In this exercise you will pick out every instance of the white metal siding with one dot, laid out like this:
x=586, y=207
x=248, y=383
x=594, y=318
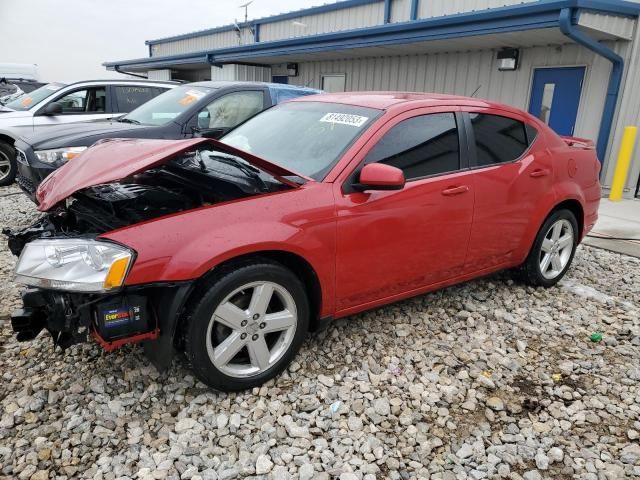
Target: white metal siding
x=159, y=74
x=344, y=19
x=628, y=114
x=400, y=10
x=462, y=73
x=621, y=27
x=204, y=42
x=241, y=72
x=437, y=8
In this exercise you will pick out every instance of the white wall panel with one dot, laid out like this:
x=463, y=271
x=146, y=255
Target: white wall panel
x=159, y=74
x=344, y=19
x=247, y=73
x=204, y=42
x=437, y=8
x=400, y=10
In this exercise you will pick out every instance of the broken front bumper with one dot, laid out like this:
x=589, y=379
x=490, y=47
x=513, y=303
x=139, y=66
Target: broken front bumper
x=147, y=314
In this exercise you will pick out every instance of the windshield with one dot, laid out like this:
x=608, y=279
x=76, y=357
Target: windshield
x=304, y=137
x=25, y=102
x=167, y=106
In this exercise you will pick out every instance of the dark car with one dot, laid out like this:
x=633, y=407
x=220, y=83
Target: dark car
x=205, y=109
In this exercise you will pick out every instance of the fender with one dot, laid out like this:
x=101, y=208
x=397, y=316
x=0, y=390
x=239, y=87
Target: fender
x=188, y=245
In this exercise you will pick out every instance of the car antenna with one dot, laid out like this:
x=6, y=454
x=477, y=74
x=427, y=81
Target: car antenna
x=476, y=91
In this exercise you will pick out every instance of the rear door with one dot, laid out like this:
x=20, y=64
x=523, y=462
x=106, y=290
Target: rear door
x=125, y=98
x=394, y=242
x=509, y=179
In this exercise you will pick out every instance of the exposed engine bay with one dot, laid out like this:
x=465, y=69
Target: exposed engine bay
x=195, y=179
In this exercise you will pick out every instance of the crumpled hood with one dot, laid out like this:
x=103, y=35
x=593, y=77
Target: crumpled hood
x=110, y=160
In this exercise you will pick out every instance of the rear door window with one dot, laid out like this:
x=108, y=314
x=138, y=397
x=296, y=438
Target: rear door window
x=498, y=139
x=129, y=97
x=420, y=146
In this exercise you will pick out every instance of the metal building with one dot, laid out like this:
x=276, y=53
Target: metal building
x=573, y=63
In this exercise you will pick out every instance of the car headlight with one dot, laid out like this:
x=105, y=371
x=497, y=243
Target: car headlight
x=77, y=265
x=59, y=155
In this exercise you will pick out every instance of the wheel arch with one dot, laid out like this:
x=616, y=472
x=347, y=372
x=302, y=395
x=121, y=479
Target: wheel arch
x=7, y=139
x=299, y=265
x=575, y=207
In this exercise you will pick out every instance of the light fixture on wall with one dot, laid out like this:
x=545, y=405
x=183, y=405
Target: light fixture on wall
x=508, y=59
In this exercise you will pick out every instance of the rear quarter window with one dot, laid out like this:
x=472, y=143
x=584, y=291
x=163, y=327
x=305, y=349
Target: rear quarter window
x=498, y=139
x=129, y=97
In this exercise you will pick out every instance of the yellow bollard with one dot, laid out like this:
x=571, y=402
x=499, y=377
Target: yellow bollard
x=622, y=165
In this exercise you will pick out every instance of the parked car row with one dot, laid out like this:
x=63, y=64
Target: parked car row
x=303, y=211
x=57, y=104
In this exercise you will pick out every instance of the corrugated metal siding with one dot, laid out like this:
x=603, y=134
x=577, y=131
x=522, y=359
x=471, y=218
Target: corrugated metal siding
x=437, y=8
x=241, y=72
x=345, y=19
x=400, y=10
x=462, y=73
x=621, y=27
x=628, y=114
x=159, y=74
x=205, y=42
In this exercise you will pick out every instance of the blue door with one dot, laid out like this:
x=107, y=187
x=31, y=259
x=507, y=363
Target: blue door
x=555, y=97
x=280, y=79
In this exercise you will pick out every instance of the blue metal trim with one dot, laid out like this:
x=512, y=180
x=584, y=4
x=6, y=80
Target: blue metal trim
x=615, y=77
x=387, y=11
x=256, y=33
x=543, y=14
x=414, y=10
x=274, y=18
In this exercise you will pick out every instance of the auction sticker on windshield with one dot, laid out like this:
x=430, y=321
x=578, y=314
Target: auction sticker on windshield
x=345, y=119
x=191, y=96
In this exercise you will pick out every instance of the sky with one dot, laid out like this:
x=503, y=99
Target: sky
x=70, y=39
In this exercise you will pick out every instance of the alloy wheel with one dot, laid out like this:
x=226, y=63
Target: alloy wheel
x=251, y=329
x=5, y=165
x=556, y=249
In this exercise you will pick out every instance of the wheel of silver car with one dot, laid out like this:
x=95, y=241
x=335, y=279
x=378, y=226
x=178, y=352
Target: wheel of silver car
x=553, y=249
x=248, y=326
x=7, y=164
x=251, y=329
x=556, y=249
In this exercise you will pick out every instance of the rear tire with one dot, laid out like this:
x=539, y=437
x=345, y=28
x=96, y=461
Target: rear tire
x=553, y=250
x=247, y=327
x=8, y=165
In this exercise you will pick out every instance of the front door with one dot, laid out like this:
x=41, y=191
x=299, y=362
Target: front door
x=394, y=242
x=555, y=97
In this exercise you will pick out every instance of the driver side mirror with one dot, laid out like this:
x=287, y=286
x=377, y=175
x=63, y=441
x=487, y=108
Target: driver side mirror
x=53, y=108
x=378, y=176
x=214, y=133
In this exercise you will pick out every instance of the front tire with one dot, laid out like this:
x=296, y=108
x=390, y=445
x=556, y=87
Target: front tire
x=553, y=249
x=247, y=327
x=8, y=165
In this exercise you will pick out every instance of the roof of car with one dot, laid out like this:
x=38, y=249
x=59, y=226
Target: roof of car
x=224, y=84
x=120, y=80
x=385, y=100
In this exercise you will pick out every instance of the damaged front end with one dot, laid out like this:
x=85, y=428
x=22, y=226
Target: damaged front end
x=77, y=280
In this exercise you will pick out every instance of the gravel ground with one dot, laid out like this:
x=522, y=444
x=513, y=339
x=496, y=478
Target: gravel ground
x=490, y=379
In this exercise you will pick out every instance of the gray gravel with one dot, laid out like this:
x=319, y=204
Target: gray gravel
x=490, y=379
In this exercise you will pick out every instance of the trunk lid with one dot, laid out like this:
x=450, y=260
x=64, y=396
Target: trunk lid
x=111, y=160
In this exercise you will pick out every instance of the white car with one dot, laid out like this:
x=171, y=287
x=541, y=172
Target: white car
x=57, y=103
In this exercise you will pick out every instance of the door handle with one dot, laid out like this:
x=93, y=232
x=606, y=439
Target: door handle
x=540, y=172
x=455, y=190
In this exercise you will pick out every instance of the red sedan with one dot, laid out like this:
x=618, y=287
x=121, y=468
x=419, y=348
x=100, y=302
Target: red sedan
x=313, y=210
